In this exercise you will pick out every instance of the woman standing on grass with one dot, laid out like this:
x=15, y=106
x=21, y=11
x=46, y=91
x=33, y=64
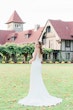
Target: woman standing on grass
x=38, y=94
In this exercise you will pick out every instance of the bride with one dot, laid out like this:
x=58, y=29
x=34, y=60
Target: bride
x=38, y=94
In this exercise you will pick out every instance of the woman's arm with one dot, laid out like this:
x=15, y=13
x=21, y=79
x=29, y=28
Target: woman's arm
x=34, y=56
x=41, y=59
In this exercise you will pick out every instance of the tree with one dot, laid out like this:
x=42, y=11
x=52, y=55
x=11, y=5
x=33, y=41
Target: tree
x=5, y=51
x=1, y=57
x=27, y=50
x=14, y=50
x=46, y=51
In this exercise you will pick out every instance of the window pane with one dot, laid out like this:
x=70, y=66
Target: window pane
x=48, y=29
x=67, y=43
x=67, y=56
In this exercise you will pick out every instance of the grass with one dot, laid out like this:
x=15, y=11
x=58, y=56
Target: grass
x=14, y=85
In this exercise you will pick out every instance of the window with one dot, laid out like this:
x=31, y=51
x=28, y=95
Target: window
x=67, y=43
x=48, y=29
x=43, y=40
x=12, y=38
x=27, y=35
x=72, y=36
x=50, y=43
x=44, y=57
x=68, y=56
x=17, y=25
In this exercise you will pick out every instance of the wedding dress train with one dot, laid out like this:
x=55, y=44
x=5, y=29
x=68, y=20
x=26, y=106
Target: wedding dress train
x=38, y=94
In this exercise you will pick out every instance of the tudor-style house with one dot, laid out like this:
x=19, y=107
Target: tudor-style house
x=56, y=35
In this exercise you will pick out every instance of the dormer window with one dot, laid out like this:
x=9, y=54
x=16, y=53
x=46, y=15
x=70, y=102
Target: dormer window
x=13, y=38
x=48, y=29
x=72, y=36
x=27, y=35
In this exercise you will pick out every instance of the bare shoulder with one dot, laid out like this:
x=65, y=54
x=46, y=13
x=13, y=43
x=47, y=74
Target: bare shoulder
x=36, y=50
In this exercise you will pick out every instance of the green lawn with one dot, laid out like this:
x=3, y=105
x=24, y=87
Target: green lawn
x=14, y=84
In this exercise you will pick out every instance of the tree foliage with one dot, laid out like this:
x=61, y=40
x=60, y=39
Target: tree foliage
x=14, y=52
x=47, y=50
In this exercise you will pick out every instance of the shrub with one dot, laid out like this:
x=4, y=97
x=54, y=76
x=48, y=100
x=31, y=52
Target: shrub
x=19, y=62
x=56, y=62
x=69, y=62
x=44, y=62
x=26, y=62
x=63, y=62
x=3, y=62
x=50, y=62
x=20, y=58
x=11, y=62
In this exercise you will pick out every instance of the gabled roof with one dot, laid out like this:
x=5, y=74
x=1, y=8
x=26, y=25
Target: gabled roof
x=63, y=29
x=21, y=36
x=14, y=18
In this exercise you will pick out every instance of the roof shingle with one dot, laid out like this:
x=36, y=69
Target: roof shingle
x=63, y=29
x=14, y=18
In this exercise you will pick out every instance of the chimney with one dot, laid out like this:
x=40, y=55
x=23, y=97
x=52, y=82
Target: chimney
x=36, y=27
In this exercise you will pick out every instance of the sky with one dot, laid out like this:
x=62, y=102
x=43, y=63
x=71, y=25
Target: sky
x=36, y=11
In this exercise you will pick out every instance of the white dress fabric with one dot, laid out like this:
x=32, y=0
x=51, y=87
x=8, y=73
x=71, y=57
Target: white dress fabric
x=38, y=94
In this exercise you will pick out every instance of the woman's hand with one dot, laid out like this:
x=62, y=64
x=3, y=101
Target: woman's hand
x=30, y=61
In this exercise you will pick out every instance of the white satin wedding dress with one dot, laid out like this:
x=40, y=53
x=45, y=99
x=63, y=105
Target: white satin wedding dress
x=38, y=94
